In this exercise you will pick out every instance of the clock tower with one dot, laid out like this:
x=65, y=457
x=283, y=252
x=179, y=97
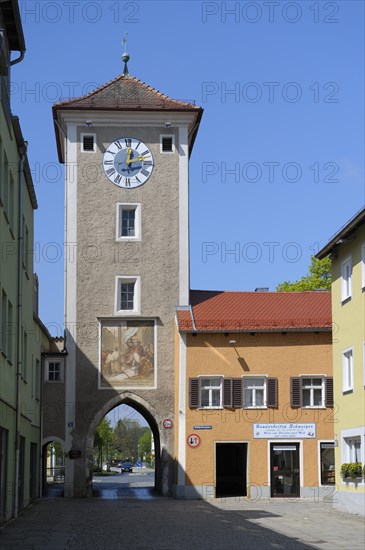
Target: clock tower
x=126, y=149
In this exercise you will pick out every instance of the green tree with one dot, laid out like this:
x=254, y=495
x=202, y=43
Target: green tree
x=319, y=278
x=127, y=434
x=104, y=443
x=145, y=442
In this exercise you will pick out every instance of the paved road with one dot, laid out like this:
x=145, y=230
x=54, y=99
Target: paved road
x=134, y=522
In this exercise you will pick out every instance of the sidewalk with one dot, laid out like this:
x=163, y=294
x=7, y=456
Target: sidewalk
x=312, y=522
x=168, y=524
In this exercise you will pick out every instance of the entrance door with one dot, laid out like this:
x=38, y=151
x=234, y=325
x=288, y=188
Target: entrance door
x=3, y=467
x=33, y=469
x=285, y=480
x=231, y=467
x=21, y=473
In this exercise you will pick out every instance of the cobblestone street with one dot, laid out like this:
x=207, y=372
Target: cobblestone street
x=164, y=523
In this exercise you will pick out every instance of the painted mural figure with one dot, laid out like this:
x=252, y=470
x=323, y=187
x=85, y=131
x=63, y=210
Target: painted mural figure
x=127, y=354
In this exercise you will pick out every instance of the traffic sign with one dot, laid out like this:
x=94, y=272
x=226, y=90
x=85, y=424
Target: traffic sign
x=167, y=424
x=193, y=440
x=138, y=463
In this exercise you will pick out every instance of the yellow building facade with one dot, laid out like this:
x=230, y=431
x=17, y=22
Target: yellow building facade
x=347, y=250
x=256, y=407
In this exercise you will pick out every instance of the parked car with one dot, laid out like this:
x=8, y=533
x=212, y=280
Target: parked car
x=125, y=467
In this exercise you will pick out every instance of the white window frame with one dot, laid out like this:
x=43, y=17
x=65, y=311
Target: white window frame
x=49, y=360
x=347, y=363
x=87, y=134
x=350, y=435
x=173, y=144
x=119, y=280
x=136, y=206
x=311, y=388
x=363, y=359
x=264, y=387
x=320, y=441
x=363, y=266
x=201, y=382
x=349, y=448
x=346, y=282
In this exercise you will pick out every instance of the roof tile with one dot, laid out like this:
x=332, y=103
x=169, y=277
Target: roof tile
x=237, y=311
x=126, y=92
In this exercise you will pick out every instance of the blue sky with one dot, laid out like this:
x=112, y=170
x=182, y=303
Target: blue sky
x=278, y=164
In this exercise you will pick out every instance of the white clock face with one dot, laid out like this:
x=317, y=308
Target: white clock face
x=128, y=162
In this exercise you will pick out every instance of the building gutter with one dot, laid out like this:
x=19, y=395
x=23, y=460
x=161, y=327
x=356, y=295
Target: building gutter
x=19, y=347
x=18, y=59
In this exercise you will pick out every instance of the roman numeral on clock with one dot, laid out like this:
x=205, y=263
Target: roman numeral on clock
x=147, y=163
x=145, y=172
x=117, y=179
x=108, y=162
x=118, y=144
x=145, y=153
x=128, y=182
x=110, y=171
x=128, y=142
x=138, y=180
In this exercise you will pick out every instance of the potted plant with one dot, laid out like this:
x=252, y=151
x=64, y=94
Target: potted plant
x=352, y=469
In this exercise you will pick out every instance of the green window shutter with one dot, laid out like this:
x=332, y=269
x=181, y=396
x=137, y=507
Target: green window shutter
x=193, y=393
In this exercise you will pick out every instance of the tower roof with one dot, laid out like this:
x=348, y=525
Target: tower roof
x=127, y=93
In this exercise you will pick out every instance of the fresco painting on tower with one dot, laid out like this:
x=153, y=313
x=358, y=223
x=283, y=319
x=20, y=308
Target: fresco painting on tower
x=127, y=354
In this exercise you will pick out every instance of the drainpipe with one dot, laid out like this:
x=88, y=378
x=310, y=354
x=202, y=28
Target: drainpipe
x=63, y=132
x=19, y=347
x=18, y=59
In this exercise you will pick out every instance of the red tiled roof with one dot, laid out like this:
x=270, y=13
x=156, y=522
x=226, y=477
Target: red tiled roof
x=239, y=311
x=126, y=93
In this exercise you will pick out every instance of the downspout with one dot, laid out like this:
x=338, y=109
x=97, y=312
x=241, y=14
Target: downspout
x=18, y=59
x=62, y=130
x=19, y=347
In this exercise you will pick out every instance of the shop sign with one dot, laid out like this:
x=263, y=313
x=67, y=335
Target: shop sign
x=285, y=431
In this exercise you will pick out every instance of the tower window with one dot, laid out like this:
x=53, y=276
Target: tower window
x=167, y=144
x=127, y=295
x=88, y=143
x=128, y=222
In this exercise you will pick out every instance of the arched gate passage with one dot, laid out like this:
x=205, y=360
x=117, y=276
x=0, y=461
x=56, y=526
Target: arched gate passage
x=162, y=473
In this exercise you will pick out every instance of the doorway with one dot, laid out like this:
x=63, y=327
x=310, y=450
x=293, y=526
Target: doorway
x=231, y=470
x=285, y=473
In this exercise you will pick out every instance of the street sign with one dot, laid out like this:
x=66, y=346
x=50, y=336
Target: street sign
x=193, y=440
x=74, y=453
x=203, y=427
x=138, y=463
x=167, y=424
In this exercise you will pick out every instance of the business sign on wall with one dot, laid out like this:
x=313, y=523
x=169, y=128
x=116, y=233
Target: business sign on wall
x=285, y=431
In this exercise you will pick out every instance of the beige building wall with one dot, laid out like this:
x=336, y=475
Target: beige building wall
x=275, y=354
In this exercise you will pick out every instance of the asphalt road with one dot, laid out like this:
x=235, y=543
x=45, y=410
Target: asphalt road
x=137, y=485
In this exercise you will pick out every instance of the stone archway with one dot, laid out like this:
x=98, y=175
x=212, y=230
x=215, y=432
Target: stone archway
x=151, y=416
x=51, y=468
